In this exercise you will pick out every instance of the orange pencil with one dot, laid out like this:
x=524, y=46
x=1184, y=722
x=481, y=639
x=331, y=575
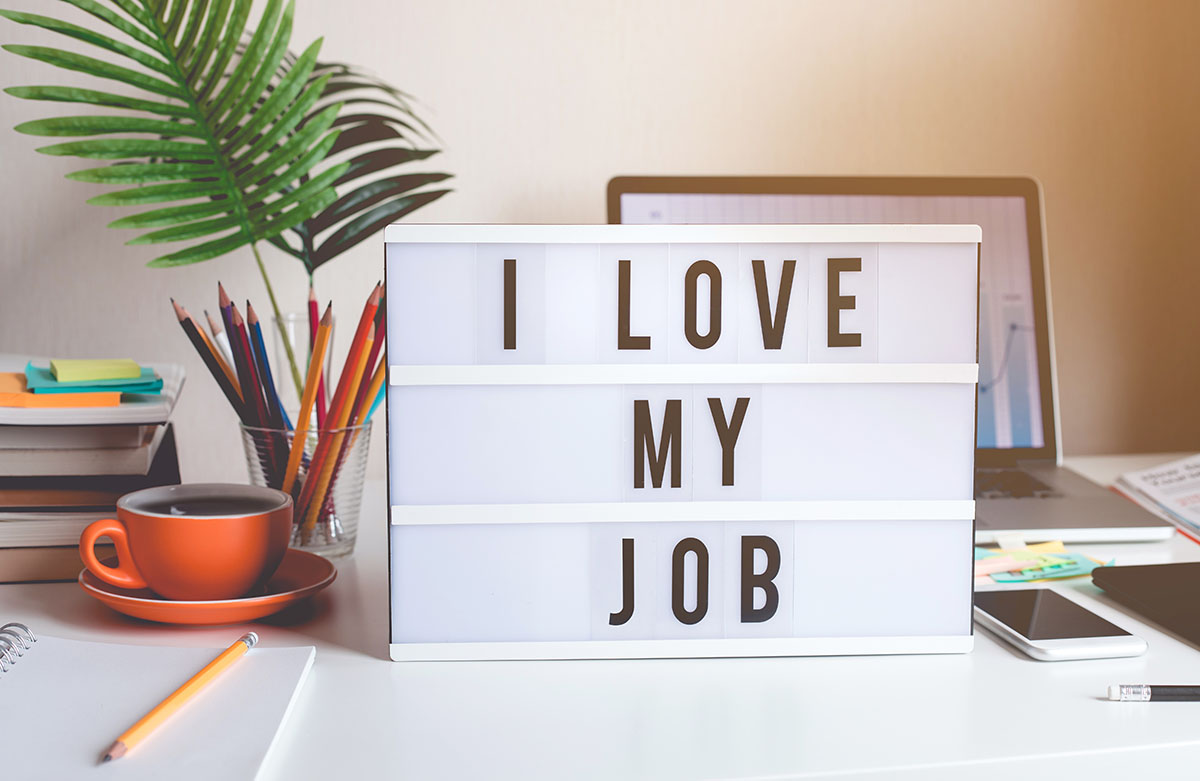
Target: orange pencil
x=135, y=734
x=341, y=399
x=311, y=384
x=376, y=383
x=325, y=459
x=216, y=351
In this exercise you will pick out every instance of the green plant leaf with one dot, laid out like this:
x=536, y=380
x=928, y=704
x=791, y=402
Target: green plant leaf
x=99, y=125
x=367, y=224
x=369, y=194
x=191, y=230
x=198, y=252
x=122, y=148
x=95, y=98
x=226, y=149
x=89, y=36
x=172, y=215
x=94, y=67
x=162, y=193
x=139, y=173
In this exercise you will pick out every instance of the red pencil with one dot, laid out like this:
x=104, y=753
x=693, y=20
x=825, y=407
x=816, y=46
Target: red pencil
x=345, y=381
x=376, y=346
x=313, y=323
x=247, y=373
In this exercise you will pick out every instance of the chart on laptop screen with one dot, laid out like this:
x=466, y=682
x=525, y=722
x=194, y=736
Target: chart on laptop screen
x=1010, y=411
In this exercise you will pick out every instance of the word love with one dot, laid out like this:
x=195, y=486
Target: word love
x=749, y=583
x=705, y=336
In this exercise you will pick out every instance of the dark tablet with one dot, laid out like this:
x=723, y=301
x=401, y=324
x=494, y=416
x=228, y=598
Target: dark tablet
x=1166, y=594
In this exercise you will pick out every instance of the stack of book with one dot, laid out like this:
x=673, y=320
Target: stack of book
x=1170, y=491
x=65, y=465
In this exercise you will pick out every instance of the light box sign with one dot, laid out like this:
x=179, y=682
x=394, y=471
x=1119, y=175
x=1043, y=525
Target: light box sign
x=644, y=441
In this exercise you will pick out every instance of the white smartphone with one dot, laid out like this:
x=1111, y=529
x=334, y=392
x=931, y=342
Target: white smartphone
x=1049, y=627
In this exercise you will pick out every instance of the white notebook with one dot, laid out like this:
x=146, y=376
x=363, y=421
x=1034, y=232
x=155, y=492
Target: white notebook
x=65, y=701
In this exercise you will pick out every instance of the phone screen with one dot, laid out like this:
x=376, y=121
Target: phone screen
x=1041, y=614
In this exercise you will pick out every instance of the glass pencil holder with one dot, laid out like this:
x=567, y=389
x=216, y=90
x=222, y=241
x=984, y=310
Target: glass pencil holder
x=327, y=489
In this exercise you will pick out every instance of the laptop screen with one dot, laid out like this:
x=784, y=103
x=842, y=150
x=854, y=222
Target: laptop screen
x=1012, y=400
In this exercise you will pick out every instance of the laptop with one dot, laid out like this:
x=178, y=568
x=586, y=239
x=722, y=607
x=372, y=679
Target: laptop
x=1023, y=492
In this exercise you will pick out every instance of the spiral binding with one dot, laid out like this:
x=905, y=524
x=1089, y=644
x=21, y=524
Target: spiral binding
x=15, y=640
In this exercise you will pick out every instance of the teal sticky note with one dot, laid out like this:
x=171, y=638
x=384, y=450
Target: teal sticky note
x=1071, y=565
x=40, y=380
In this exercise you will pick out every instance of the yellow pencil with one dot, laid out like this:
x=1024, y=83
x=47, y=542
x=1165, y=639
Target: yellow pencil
x=336, y=434
x=310, y=395
x=135, y=734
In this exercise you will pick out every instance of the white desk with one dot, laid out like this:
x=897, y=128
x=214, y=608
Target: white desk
x=991, y=713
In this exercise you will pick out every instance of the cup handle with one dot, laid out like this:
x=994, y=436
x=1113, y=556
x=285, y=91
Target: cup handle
x=125, y=574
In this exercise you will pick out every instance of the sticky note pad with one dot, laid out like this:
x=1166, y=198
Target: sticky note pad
x=40, y=380
x=88, y=370
x=13, y=393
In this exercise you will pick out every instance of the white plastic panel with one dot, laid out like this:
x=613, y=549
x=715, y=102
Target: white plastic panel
x=575, y=443
x=927, y=302
x=515, y=583
x=909, y=303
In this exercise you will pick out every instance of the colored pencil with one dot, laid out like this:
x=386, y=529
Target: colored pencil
x=145, y=725
x=225, y=304
x=373, y=391
x=323, y=463
x=379, y=397
x=311, y=383
x=220, y=338
x=208, y=355
x=225, y=367
x=312, y=338
x=275, y=411
x=342, y=397
x=256, y=406
x=251, y=392
x=363, y=397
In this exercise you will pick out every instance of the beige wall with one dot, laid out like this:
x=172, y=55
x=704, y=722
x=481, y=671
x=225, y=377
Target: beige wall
x=539, y=102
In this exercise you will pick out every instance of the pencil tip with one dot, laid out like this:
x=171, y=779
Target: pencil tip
x=180, y=312
x=107, y=758
x=253, y=317
x=327, y=318
x=223, y=297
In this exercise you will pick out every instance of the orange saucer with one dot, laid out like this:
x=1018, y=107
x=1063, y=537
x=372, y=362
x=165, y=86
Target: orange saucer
x=300, y=575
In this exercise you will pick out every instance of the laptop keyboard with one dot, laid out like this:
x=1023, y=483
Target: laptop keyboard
x=1011, y=484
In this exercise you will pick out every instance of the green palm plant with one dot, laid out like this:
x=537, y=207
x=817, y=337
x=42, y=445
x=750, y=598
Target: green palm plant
x=381, y=135
x=224, y=147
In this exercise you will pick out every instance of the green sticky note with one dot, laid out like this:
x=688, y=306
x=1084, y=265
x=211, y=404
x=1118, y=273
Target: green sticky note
x=91, y=370
x=41, y=380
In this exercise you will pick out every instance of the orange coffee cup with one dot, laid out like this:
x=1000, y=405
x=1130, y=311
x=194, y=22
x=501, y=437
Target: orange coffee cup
x=203, y=541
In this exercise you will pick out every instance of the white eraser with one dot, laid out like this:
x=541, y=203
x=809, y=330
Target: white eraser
x=1114, y=692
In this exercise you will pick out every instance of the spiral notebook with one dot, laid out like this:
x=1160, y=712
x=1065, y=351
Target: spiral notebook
x=64, y=701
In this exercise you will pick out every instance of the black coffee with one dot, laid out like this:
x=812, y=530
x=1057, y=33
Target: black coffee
x=209, y=507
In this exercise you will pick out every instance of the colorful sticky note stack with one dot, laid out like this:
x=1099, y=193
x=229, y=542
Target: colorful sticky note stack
x=142, y=380
x=1045, y=561
x=91, y=370
x=76, y=383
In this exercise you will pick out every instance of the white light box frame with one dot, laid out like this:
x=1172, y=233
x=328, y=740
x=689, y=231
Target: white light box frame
x=671, y=441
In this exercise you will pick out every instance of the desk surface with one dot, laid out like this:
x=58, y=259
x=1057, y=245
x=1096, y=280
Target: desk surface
x=991, y=713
